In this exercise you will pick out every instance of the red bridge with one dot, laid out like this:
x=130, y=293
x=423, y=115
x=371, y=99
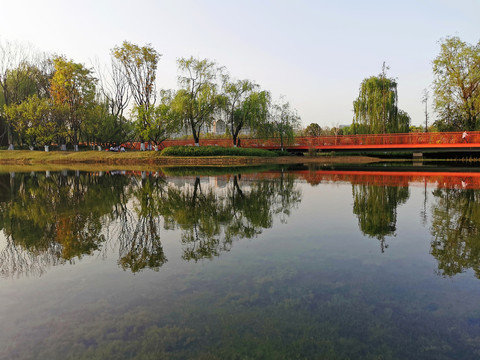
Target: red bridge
x=410, y=141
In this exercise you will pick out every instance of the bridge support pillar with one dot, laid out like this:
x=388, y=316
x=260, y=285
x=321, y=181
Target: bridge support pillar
x=417, y=156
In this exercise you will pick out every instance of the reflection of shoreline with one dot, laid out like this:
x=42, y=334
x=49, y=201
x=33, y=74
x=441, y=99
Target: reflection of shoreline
x=444, y=180
x=441, y=179
x=55, y=218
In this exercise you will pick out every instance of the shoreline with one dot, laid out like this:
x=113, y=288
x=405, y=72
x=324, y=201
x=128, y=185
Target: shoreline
x=27, y=160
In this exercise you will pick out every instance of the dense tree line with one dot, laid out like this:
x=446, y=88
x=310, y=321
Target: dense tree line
x=457, y=85
x=49, y=99
x=456, y=94
x=456, y=97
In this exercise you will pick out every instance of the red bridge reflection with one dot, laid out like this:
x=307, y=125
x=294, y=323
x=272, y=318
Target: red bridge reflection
x=447, y=180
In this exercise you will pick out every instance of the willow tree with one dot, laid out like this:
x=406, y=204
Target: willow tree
x=457, y=85
x=198, y=99
x=244, y=105
x=376, y=110
x=283, y=122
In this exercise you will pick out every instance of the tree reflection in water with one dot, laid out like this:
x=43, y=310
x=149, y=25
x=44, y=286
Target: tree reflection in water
x=376, y=209
x=51, y=219
x=211, y=218
x=456, y=230
x=139, y=236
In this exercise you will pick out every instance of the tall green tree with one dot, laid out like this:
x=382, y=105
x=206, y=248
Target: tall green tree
x=244, y=105
x=457, y=85
x=104, y=128
x=73, y=86
x=403, y=121
x=23, y=84
x=198, y=99
x=37, y=121
x=376, y=107
x=139, y=66
x=163, y=120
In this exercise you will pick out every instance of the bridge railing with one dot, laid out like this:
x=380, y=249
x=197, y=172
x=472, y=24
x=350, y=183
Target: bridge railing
x=363, y=140
x=433, y=138
x=390, y=139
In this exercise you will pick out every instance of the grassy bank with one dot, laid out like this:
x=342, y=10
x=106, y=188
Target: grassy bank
x=188, y=151
x=26, y=160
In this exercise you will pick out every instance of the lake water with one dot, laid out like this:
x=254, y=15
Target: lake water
x=252, y=263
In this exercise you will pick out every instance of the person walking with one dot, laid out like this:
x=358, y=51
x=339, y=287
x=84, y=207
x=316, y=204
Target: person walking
x=464, y=136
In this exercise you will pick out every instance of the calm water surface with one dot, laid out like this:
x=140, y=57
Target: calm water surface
x=279, y=263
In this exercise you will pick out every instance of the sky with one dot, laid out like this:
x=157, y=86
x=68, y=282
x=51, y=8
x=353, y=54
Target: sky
x=314, y=53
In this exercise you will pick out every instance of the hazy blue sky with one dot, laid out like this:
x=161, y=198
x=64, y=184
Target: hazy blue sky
x=316, y=53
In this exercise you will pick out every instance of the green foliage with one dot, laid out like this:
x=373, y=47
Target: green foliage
x=283, y=123
x=139, y=67
x=197, y=100
x=19, y=80
x=376, y=110
x=282, y=153
x=457, y=85
x=214, y=151
x=79, y=111
x=313, y=130
x=73, y=87
x=348, y=130
x=37, y=120
x=157, y=123
x=104, y=128
x=244, y=106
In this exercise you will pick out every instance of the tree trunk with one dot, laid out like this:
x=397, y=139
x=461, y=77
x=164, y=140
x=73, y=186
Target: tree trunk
x=10, y=136
x=75, y=139
x=196, y=138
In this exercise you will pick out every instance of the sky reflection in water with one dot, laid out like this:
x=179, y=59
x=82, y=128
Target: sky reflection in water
x=272, y=264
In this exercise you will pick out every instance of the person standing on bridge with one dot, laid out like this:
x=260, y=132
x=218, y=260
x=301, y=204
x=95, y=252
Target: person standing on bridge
x=464, y=136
